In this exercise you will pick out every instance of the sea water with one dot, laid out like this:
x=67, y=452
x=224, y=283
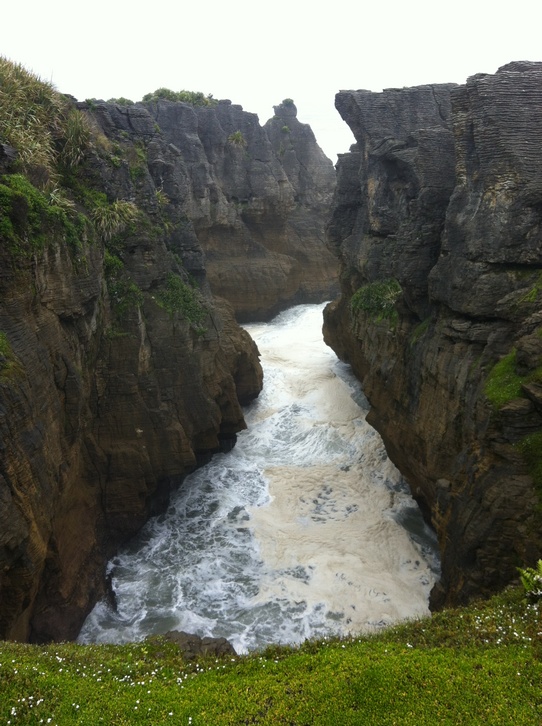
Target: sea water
x=304, y=529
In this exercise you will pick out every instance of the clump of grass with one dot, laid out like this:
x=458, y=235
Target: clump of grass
x=194, y=98
x=420, y=330
x=113, y=265
x=136, y=155
x=40, y=123
x=112, y=219
x=237, y=139
x=532, y=295
x=503, y=384
x=10, y=365
x=377, y=299
x=162, y=199
x=176, y=297
x=77, y=136
x=124, y=294
x=476, y=665
x=31, y=219
x=531, y=579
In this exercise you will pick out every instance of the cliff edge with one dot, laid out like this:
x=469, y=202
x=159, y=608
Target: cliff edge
x=119, y=372
x=437, y=223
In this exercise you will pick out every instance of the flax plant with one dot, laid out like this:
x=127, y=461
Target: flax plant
x=40, y=124
x=111, y=219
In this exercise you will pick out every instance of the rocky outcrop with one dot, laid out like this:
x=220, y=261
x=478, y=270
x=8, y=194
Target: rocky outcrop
x=131, y=242
x=193, y=647
x=119, y=372
x=437, y=223
x=257, y=198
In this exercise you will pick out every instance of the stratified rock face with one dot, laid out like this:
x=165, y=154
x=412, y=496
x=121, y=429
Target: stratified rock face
x=118, y=374
x=443, y=194
x=258, y=199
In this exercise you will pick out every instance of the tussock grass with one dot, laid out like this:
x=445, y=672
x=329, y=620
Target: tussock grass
x=477, y=665
x=40, y=123
x=112, y=219
x=377, y=299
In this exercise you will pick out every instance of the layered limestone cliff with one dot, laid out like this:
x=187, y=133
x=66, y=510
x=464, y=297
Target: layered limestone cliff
x=437, y=224
x=131, y=238
x=258, y=198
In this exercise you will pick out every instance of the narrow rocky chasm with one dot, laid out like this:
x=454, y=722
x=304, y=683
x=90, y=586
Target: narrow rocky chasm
x=122, y=365
x=437, y=225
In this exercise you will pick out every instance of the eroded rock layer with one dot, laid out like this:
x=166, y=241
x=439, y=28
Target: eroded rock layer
x=132, y=236
x=258, y=198
x=437, y=224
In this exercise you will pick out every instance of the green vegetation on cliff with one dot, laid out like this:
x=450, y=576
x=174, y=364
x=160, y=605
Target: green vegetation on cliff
x=178, y=297
x=9, y=365
x=503, y=383
x=41, y=124
x=377, y=299
x=194, y=98
x=237, y=139
x=32, y=219
x=478, y=665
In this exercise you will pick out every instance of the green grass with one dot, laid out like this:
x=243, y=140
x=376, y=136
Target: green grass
x=124, y=294
x=477, y=665
x=10, y=366
x=194, y=98
x=420, y=330
x=377, y=299
x=237, y=139
x=31, y=219
x=503, y=384
x=178, y=297
x=41, y=124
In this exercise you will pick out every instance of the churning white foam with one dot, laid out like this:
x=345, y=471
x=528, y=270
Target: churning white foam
x=305, y=529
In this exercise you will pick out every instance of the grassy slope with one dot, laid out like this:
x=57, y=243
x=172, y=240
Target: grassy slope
x=478, y=665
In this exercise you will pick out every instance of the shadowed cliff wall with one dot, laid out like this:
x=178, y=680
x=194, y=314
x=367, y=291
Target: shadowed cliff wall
x=437, y=225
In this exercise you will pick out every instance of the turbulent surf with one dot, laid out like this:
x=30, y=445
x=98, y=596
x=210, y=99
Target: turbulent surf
x=304, y=529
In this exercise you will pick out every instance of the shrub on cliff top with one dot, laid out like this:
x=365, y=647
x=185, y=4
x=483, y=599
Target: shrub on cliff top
x=194, y=98
x=121, y=101
x=41, y=124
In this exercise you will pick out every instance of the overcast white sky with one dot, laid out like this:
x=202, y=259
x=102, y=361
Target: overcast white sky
x=257, y=54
